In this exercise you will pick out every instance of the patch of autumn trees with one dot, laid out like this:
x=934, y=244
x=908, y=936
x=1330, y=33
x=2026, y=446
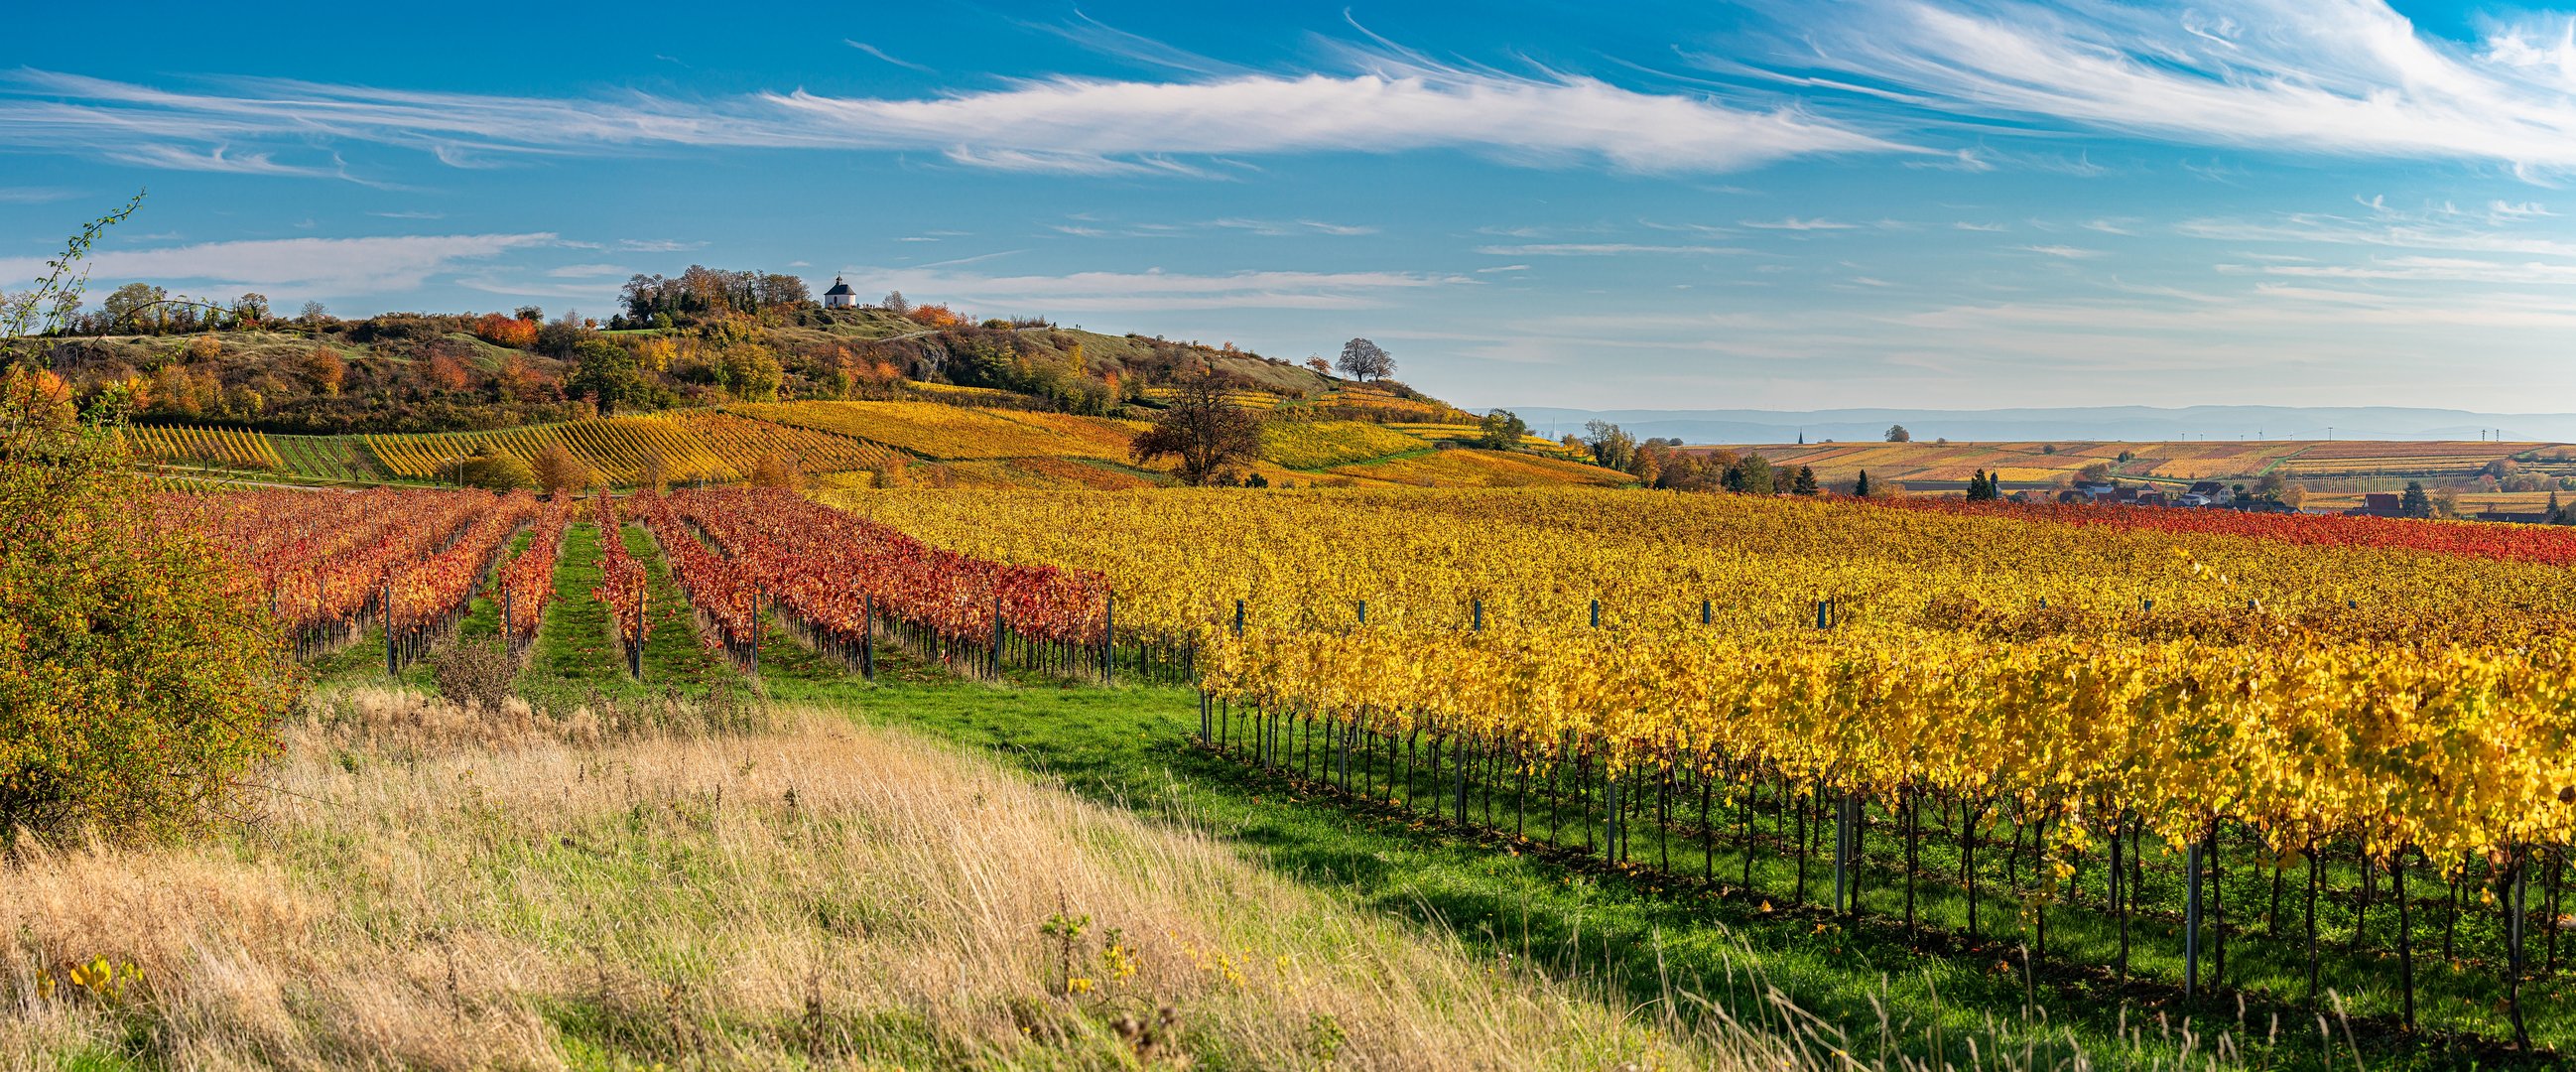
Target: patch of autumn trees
x=1662, y=463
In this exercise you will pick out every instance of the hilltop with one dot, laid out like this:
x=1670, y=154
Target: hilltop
x=418, y=372
x=855, y=397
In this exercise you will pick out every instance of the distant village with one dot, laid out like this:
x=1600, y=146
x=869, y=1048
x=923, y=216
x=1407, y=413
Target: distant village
x=2220, y=495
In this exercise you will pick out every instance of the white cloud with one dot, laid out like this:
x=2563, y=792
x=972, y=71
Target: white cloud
x=2430, y=231
x=218, y=158
x=1793, y=223
x=1597, y=249
x=657, y=245
x=2072, y=253
x=1073, y=125
x=587, y=271
x=1281, y=228
x=336, y=266
x=881, y=54
x=1151, y=291
x=2433, y=270
x=2335, y=76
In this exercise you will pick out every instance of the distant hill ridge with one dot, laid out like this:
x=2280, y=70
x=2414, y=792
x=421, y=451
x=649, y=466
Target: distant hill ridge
x=2085, y=423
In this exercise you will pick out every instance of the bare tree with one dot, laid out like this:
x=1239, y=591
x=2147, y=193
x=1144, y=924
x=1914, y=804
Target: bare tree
x=894, y=302
x=1363, y=360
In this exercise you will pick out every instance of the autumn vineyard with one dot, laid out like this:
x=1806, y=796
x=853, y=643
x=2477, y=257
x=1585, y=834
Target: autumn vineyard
x=2209, y=753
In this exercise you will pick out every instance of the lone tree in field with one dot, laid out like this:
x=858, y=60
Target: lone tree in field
x=496, y=470
x=2415, y=503
x=776, y=470
x=1805, y=482
x=1896, y=433
x=1363, y=360
x=1202, y=429
x=559, y=470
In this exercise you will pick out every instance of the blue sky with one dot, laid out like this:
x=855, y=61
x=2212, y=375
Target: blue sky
x=1922, y=203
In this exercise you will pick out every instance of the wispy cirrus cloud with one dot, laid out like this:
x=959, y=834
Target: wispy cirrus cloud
x=1063, y=124
x=313, y=265
x=881, y=54
x=2428, y=270
x=1793, y=223
x=2450, y=231
x=1600, y=249
x=2350, y=77
x=1154, y=291
x=1087, y=225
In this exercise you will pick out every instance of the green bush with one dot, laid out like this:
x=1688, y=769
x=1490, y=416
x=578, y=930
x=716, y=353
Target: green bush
x=140, y=680
x=498, y=471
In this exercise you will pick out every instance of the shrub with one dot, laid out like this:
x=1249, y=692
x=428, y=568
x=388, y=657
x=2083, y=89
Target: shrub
x=558, y=470
x=498, y=471
x=139, y=678
x=474, y=674
x=507, y=331
x=776, y=470
x=324, y=369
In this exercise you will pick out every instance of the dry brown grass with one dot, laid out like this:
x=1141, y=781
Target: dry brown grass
x=509, y=891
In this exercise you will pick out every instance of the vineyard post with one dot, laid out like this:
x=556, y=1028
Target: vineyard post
x=506, y=639
x=868, y=636
x=2191, y=923
x=1847, y=846
x=1109, y=641
x=1238, y=617
x=2405, y=933
x=1596, y=614
x=1363, y=612
x=2314, y=867
x=997, y=636
x=2515, y=907
x=1706, y=612
x=391, y=670
x=1820, y=615
x=2112, y=894
x=1477, y=605
x=1609, y=817
x=756, y=593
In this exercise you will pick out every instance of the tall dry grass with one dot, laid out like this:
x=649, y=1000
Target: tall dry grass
x=443, y=891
